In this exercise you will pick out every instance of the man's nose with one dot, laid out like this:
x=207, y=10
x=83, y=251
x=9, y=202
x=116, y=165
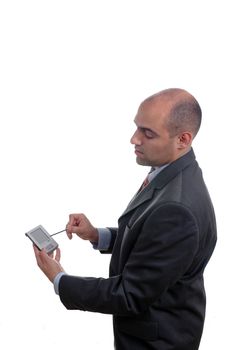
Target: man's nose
x=135, y=139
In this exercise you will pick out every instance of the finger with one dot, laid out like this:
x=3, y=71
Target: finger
x=44, y=256
x=36, y=251
x=35, y=248
x=58, y=255
x=75, y=219
x=69, y=232
x=72, y=219
x=51, y=255
x=38, y=256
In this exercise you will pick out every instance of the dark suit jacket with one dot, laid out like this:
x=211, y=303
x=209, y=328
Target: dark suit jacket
x=163, y=242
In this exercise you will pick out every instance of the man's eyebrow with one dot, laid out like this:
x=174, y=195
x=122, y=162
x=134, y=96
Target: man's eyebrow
x=145, y=129
x=142, y=128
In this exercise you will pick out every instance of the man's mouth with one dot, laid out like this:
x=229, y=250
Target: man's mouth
x=138, y=152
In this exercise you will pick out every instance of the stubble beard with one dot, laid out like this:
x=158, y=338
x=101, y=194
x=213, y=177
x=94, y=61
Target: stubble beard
x=142, y=162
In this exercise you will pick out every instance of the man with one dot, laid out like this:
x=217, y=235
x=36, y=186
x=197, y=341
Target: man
x=163, y=242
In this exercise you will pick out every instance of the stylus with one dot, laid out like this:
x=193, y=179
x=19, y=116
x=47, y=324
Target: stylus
x=58, y=232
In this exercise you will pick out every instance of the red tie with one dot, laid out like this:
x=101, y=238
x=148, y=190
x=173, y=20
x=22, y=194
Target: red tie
x=144, y=184
x=146, y=181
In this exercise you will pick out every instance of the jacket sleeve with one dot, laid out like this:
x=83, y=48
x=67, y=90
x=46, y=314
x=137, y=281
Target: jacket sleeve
x=166, y=244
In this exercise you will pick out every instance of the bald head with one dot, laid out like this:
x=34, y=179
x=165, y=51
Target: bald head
x=182, y=110
x=166, y=124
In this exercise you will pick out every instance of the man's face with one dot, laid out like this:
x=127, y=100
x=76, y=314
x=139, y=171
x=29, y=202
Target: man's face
x=153, y=144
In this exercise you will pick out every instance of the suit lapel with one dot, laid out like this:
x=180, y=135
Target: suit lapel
x=164, y=177
x=139, y=199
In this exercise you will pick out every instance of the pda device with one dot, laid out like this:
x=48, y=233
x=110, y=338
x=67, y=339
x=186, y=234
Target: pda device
x=42, y=239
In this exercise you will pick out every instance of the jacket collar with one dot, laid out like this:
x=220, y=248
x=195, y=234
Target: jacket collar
x=161, y=180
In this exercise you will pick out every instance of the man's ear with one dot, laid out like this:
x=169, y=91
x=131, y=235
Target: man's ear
x=185, y=140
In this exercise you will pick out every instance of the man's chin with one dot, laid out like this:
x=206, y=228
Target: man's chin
x=141, y=161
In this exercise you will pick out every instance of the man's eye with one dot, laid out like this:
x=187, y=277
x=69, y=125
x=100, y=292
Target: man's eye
x=149, y=134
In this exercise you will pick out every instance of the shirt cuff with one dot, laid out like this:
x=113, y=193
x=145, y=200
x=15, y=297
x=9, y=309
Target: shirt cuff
x=56, y=282
x=104, y=239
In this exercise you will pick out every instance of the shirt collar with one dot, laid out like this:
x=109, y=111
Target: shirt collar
x=154, y=171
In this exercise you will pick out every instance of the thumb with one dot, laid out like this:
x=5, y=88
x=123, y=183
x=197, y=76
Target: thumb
x=69, y=231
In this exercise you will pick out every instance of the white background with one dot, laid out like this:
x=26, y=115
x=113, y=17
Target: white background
x=72, y=74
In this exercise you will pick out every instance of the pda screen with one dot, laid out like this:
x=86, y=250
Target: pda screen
x=40, y=236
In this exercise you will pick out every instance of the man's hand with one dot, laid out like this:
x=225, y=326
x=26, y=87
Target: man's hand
x=49, y=264
x=81, y=226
